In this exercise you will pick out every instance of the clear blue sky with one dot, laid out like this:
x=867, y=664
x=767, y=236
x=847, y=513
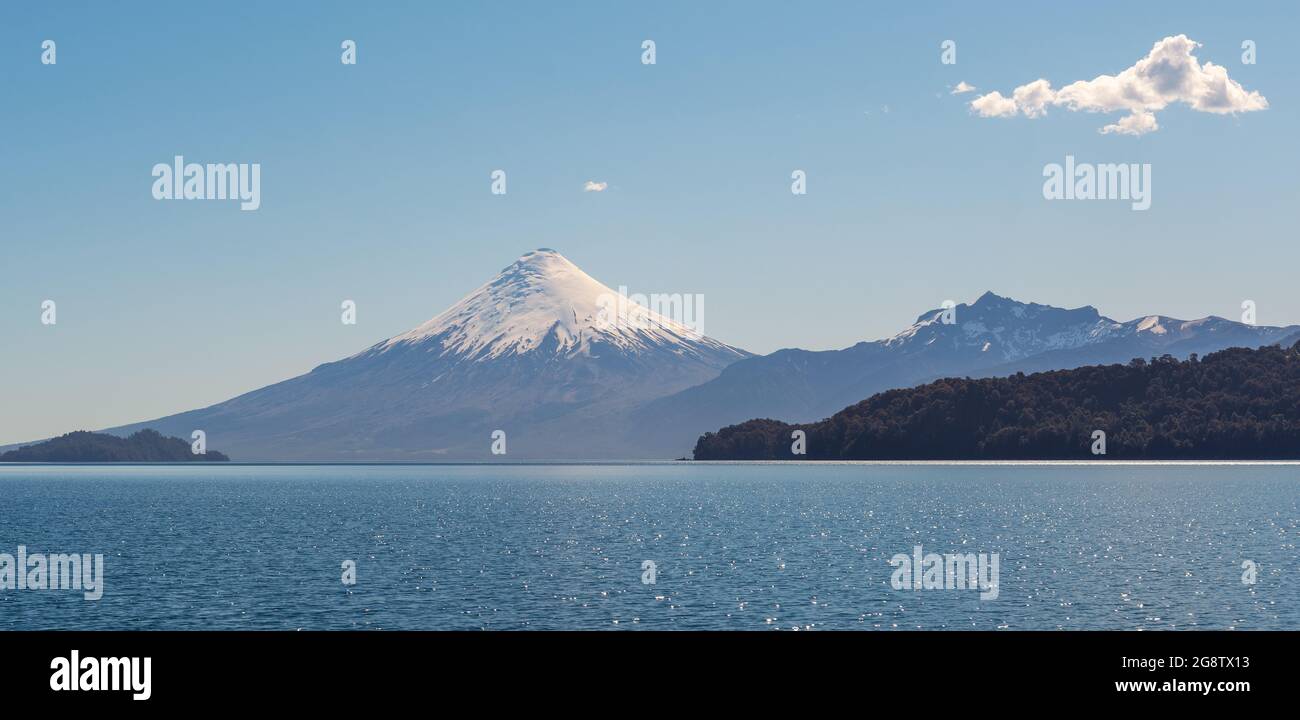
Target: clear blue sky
x=375, y=179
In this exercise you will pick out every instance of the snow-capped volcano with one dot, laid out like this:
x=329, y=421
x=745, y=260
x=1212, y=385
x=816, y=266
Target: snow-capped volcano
x=543, y=352
x=544, y=303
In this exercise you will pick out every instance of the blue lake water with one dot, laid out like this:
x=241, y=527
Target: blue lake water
x=735, y=546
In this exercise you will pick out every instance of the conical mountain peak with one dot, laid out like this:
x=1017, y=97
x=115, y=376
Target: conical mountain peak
x=543, y=302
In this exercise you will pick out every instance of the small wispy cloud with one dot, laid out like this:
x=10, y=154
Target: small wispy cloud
x=593, y=186
x=962, y=87
x=1170, y=73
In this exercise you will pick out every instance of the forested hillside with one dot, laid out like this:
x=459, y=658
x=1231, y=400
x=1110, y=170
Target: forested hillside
x=1233, y=404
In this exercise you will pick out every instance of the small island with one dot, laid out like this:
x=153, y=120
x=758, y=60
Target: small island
x=82, y=446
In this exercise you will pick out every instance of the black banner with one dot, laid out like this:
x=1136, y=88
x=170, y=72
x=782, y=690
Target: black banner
x=923, y=670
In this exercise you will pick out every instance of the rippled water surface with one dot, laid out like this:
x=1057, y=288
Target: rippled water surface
x=735, y=546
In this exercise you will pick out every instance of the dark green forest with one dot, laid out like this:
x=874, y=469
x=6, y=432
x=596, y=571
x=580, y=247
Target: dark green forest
x=82, y=446
x=1234, y=404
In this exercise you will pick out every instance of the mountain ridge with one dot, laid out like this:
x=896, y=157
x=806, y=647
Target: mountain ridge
x=990, y=337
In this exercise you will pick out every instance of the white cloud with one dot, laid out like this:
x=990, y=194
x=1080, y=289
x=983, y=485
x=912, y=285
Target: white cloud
x=962, y=87
x=1137, y=123
x=993, y=105
x=593, y=186
x=1169, y=74
x=1033, y=99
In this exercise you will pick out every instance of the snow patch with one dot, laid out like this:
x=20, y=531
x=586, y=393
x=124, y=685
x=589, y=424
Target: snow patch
x=1152, y=325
